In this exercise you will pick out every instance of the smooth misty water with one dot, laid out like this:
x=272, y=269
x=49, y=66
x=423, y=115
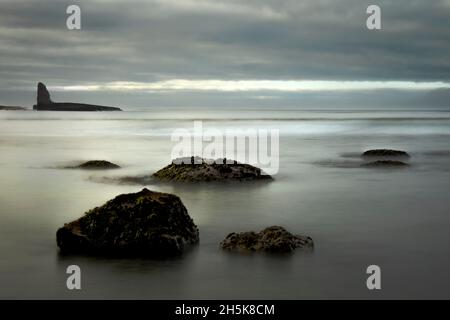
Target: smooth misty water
x=397, y=219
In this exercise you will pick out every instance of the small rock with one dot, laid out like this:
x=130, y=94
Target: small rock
x=273, y=239
x=385, y=153
x=97, y=164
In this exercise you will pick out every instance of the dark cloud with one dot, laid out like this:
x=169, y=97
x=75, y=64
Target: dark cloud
x=212, y=39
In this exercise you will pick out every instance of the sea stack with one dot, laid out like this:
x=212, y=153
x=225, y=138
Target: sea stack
x=43, y=96
x=44, y=103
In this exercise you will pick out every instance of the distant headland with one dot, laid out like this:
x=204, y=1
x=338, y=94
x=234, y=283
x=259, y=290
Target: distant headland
x=12, y=108
x=44, y=103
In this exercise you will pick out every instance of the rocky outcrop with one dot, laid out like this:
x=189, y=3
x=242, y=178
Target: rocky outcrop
x=145, y=223
x=97, y=165
x=44, y=103
x=385, y=153
x=273, y=239
x=384, y=158
x=205, y=170
x=63, y=106
x=43, y=96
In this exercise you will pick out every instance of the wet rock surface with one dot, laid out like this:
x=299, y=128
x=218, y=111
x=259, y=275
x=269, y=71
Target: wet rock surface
x=273, y=239
x=145, y=223
x=206, y=170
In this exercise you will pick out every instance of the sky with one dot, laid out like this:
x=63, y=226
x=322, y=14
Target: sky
x=227, y=53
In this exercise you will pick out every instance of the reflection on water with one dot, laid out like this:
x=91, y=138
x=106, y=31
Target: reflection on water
x=397, y=219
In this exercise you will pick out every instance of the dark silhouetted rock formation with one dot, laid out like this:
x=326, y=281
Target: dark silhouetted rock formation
x=145, y=223
x=97, y=165
x=385, y=158
x=273, y=239
x=205, y=170
x=43, y=96
x=385, y=153
x=44, y=103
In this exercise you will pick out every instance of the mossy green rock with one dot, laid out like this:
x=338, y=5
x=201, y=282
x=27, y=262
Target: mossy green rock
x=145, y=223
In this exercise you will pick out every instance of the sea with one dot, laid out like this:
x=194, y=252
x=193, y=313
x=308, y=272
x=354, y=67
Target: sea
x=395, y=218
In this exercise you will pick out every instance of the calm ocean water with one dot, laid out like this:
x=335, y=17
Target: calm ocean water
x=397, y=219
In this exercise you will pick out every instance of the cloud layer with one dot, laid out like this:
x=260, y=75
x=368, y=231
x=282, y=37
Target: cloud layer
x=216, y=45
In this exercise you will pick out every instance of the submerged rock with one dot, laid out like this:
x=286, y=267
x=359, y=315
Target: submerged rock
x=385, y=153
x=140, y=180
x=145, y=223
x=97, y=164
x=273, y=239
x=206, y=170
x=44, y=103
x=385, y=163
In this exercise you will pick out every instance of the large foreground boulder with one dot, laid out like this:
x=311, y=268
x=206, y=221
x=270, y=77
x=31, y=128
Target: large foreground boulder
x=273, y=239
x=145, y=223
x=206, y=170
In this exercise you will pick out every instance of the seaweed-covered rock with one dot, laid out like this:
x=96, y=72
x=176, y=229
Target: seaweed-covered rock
x=97, y=165
x=206, y=170
x=385, y=163
x=385, y=153
x=273, y=239
x=145, y=223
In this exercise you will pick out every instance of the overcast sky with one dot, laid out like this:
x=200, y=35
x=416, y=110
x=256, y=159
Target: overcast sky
x=220, y=53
